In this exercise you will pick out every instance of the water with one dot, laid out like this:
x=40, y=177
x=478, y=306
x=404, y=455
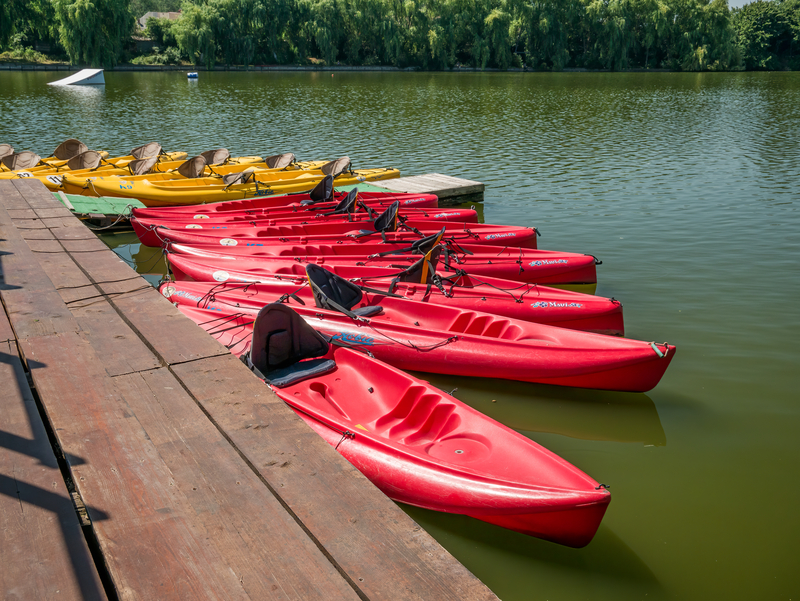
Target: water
x=685, y=185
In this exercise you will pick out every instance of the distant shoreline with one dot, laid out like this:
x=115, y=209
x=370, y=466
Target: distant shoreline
x=334, y=68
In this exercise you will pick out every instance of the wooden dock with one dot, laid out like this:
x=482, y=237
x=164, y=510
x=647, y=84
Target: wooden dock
x=450, y=190
x=141, y=460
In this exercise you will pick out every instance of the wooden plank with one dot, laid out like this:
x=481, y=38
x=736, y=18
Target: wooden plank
x=444, y=186
x=38, y=312
x=6, y=333
x=10, y=197
x=167, y=331
x=43, y=552
x=22, y=213
x=383, y=550
x=30, y=224
x=183, y=517
x=36, y=234
x=35, y=193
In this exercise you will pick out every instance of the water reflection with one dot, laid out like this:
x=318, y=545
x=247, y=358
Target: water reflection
x=577, y=413
x=517, y=562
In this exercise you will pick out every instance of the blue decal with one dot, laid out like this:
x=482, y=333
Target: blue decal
x=354, y=339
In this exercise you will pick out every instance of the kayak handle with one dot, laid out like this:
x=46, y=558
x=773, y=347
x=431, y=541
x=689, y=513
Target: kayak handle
x=658, y=351
x=603, y=486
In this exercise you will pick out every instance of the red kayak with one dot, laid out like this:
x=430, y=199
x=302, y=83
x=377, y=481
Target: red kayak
x=417, y=444
x=550, y=268
x=447, y=340
x=378, y=200
x=492, y=235
x=146, y=228
x=312, y=212
x=526, y=302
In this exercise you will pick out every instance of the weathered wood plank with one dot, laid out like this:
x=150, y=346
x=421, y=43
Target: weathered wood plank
x=6, y=333
x=10, y=197
x=43, y=552
x=171, y=501
x=362, y=529
x=36, y=194
x=22, y=214
x=444, y=186
x=56, y=211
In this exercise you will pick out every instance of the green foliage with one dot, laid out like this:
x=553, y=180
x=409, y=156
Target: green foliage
x=160, y=31
x=696, y=35
x=93, y=31
x=767, y=33
x=170, y=56
x=139, y=8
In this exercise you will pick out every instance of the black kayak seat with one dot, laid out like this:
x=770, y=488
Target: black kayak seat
x=322, y=192
x=284, y=348
x=368, y=311
x=297, y=372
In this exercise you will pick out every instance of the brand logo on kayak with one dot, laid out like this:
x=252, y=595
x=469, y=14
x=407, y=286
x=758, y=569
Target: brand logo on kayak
x=184, y=294
x=548, y=262
x=442, y=215
x=413, y=201
x=194, y=226
x=354, y=339
x=554, y=305
x=496, y=236
x=263, y=193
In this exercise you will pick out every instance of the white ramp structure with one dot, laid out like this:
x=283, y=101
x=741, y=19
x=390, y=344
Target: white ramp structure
x=84, y=77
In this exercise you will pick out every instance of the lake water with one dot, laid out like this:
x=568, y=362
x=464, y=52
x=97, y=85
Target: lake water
x=685, y=185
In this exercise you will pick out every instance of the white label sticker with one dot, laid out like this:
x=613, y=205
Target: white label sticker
x=168, y=291
x=194, y=226
x=220, y=276
x=201, y=217
x=228, y=242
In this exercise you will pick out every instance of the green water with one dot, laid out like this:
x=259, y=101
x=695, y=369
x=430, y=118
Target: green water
x=685, y=185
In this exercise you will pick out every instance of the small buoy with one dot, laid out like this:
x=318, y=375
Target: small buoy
x=192, y=75
x=331, y=74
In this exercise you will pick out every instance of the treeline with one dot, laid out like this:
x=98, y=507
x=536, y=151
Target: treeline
x=692, y=35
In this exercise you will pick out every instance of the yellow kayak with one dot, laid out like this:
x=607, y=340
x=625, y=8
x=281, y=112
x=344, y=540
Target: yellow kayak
x=30, y=164
x=83, y=183
x=77, y=181
x=251, y=184
x=30, y=161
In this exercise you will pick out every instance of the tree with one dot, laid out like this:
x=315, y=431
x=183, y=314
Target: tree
x=93, y=31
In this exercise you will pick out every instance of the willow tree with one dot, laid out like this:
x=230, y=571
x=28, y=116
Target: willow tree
x=194, y=33
x=93, y=31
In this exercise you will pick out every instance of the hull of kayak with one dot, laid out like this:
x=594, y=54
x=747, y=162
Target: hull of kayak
x=199, y=191
x=82, y=182
x=146, y=229
x=537, y=304
x=256, y=205
x=550, y=268
x=438, y=339
x=425, y=448
x=489, y=235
